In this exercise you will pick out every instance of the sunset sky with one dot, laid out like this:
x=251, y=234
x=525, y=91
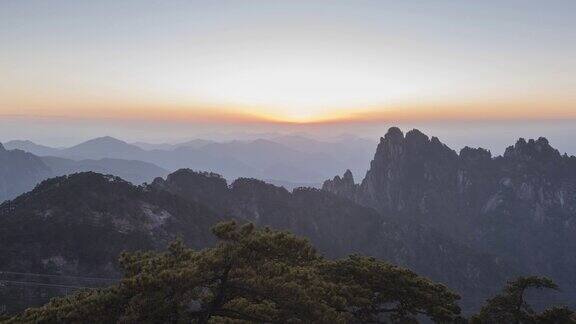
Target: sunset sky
x=152, y=64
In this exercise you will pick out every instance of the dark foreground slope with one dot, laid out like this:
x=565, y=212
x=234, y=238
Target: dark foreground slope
x=79, y=224
x=338, y=226
x=519, y=207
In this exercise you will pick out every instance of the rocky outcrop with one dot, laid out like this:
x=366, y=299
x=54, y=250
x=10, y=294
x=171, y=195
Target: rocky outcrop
x=519, y=207
x=411, y=175
x=342, y=186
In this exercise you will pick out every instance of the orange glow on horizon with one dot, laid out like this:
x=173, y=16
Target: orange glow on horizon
x=496, y=110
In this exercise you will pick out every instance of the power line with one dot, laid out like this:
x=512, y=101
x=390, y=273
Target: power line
x=28, y=283
x=57, y=276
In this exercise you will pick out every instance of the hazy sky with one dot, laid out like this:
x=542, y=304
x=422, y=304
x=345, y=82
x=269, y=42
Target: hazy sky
x=163, y=68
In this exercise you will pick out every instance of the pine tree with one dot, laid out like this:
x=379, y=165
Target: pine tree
x=254, y=276
x=511, y=306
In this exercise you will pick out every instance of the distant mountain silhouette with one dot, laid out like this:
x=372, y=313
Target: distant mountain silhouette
x=20, y=172
x=153, y=146
x=351, y=152
x=273, y=160
x=136, y=172
x=31, y=147
x=195, y=144
x=103, y=147
x=286, y=159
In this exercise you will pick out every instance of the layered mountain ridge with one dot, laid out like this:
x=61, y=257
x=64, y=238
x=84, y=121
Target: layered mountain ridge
x=466, y=219
x=78, y=224
x=21, y=171
x=288, y=160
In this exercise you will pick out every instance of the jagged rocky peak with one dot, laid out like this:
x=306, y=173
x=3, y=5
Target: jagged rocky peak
x=413, y=140
x=394, y=134
x=416, y=137
x=348, y=178
x=394, y=148
x=2, y=148
x=332, y=185
x=539, y=149
x=391, y=145
x=515, y=207
x=343, y=186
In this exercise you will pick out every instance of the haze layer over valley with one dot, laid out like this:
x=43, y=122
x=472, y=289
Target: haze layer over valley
x=288, y=160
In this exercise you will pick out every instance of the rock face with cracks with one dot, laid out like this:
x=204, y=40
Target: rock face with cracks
x=519, y=207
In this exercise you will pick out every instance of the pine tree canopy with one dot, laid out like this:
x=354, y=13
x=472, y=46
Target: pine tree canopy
x=254, y=276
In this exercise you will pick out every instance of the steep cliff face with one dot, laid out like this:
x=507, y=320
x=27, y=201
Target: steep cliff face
x=530, y=214
x=19, y=172
x=519, y=207
x=410, y=174
x=343, y=187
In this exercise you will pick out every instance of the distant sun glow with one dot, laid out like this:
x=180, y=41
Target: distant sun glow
x=287, y=62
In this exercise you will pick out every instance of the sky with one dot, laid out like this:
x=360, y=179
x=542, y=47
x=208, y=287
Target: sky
x=164, y=70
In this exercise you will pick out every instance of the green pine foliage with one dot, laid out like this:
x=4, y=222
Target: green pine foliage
x=253, y=275
x=260, y=275
x=511, y=306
